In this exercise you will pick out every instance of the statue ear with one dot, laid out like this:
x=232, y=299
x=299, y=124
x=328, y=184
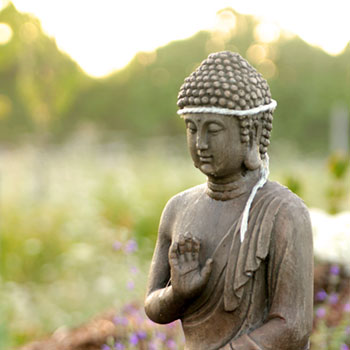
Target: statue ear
x=252, y=159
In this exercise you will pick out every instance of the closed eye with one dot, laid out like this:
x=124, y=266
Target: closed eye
x=214, y=128
x=191, y=127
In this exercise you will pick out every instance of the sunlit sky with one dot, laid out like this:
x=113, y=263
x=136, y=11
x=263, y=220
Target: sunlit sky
x=104, y=35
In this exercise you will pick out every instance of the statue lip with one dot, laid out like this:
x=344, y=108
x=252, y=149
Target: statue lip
x=205, y=159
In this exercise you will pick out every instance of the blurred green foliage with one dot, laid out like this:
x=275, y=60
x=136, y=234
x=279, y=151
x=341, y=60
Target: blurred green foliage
x=294, y=184
x=39, y=84
x=48, y=94
x=68, y=213
x=338, y=164
x=336, y=192
x=62, y=209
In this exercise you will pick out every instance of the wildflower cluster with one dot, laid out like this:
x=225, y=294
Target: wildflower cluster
x=332, y=307
x=128, y=247
x=133, y=330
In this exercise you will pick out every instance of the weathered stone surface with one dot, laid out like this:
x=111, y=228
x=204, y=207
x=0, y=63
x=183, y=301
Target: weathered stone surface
x=236, y=281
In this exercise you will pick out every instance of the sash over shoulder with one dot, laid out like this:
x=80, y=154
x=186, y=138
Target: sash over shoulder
x=255, y=247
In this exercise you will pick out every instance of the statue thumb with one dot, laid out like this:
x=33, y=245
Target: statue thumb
x=207, y=268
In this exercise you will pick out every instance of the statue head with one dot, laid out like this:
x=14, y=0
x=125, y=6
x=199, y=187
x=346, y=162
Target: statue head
x=226, y=85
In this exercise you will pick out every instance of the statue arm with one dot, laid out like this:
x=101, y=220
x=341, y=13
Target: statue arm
x=290, y=285
x=161, y=305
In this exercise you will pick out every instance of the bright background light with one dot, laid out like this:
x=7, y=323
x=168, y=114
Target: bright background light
x=104, y=35
x=5, y=33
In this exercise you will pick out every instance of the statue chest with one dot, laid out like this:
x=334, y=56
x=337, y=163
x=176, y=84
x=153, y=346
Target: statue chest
x=209, y=221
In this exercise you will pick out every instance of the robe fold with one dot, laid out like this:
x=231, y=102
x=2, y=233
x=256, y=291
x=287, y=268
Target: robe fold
x=259, y=295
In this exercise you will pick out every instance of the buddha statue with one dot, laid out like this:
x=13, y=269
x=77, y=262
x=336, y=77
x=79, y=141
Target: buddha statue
x=233, y=259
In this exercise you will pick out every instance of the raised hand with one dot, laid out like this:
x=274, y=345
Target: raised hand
x=187, y=277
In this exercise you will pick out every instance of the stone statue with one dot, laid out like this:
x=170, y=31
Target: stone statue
x=233, y=259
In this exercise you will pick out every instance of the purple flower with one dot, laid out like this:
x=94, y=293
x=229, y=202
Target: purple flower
x=133, y=339
x=130, y=246
x=344, y=347
x=123, y=321
x=140, y=318
x=171, y=344
x=130, y=309
x=119, y=346
x=334, y=270
x=321, y=312
x=161, y=336
x=333, y=298
x=130, y=285
x=134, y=270
x=321, y=295
x=152, y=346
x=117, y=245
x=347, y=307
x=141, y=335
x=105, y=347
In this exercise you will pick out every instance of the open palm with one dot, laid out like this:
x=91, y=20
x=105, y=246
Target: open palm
x=187, y=277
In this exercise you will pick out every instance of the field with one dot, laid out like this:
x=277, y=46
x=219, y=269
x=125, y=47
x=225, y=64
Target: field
x=79, y=222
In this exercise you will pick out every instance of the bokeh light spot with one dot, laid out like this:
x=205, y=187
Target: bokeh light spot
x=268, y=69
x=257, y=53
x=335, y=46
x=267, y=32
x=226, y=22
x=3, y=4
x=5, y=33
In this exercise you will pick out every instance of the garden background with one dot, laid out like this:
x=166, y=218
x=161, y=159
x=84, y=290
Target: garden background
x=87, y=165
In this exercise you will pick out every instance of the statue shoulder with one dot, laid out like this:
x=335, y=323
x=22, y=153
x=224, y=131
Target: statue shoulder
x=182, y=199
x=292, y=213
x=178, y=203
x=284, y=194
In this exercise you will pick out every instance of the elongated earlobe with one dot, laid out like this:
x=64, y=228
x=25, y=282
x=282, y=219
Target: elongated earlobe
x=252, y=160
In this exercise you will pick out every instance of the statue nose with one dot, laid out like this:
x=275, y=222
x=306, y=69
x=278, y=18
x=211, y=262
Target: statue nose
x=202, y=142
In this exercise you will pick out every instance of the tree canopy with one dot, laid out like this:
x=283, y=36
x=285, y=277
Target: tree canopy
x=43, y=90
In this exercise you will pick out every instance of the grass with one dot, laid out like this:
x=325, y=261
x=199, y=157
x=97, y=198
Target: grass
x=71, y=217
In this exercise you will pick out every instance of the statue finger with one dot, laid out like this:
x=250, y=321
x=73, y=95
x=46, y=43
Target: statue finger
x=195, y=249
x=189, y=247
x=182, y=259
x=173, y=254
x=182, y=244
x=196, y=245
x=188, y=242
x=188, y=256
x=187, y=235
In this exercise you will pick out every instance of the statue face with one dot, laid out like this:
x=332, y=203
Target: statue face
x=214, y=144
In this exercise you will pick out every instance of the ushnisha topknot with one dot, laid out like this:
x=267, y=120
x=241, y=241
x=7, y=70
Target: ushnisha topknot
x=224, y=80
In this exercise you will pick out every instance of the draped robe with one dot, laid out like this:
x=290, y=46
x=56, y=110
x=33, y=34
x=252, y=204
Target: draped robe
x=259, y=295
